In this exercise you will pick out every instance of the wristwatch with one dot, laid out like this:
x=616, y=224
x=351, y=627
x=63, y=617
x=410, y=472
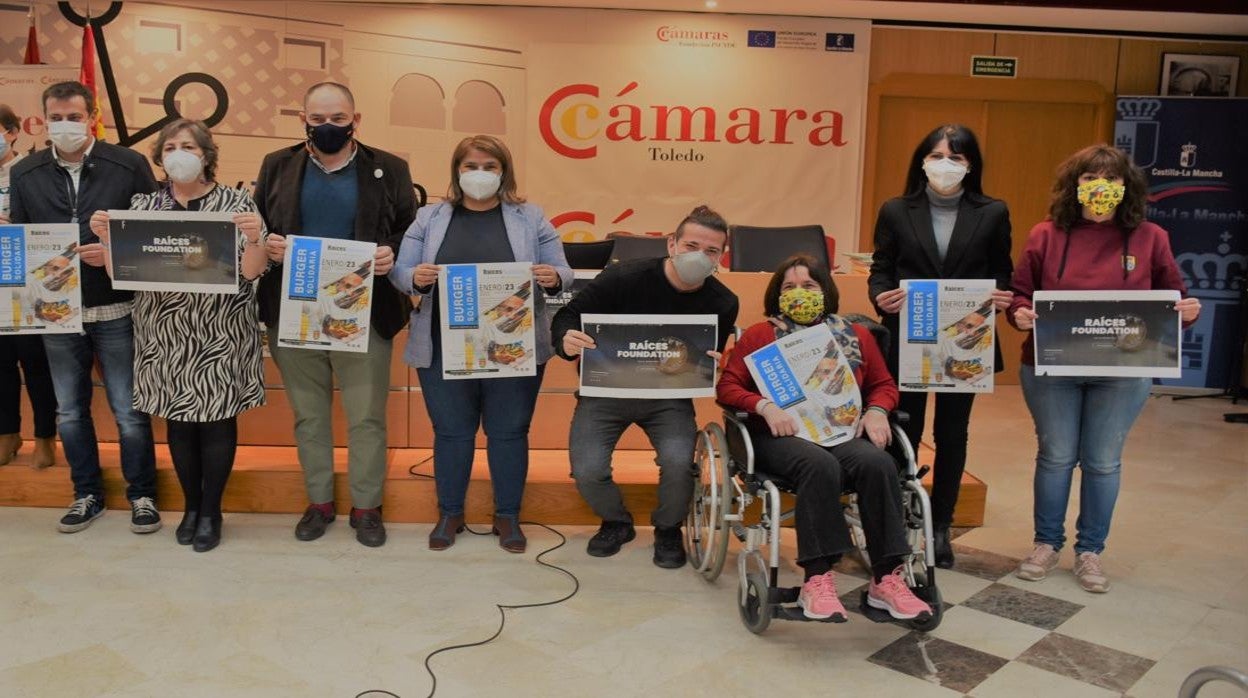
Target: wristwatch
x=758, y=407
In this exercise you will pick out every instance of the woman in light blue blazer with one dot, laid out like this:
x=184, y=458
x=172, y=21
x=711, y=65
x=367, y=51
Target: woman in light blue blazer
x=482, y=220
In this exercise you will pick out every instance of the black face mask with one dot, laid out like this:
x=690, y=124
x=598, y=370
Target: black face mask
x=329, y=138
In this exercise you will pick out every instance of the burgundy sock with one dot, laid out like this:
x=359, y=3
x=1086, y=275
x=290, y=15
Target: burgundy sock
x=326, y=508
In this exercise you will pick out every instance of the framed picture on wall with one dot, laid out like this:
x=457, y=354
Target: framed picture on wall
x=1198, y=75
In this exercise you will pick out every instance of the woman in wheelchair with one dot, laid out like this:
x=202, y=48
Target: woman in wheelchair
x=801, y=293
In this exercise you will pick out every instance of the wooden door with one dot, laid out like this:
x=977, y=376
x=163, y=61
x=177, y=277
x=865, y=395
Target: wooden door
x=1025, y=129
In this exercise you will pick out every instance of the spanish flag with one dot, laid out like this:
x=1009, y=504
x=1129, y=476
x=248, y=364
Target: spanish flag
x=32, y=41
x=86, y=75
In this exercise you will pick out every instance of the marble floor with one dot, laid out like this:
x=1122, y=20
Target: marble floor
x=105, y=613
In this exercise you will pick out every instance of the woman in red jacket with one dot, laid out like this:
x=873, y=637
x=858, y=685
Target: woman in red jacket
x=801, y=294
x=1095, y=238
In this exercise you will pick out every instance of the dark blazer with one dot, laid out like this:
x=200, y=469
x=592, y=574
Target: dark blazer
x=42, y=192
x=387, y=206
x=905, y=248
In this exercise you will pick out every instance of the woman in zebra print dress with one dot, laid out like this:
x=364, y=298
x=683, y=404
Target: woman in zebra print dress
x=197, y=357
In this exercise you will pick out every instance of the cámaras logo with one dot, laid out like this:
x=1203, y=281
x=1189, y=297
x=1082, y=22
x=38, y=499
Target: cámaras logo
x=667, y=33
x=572, y=121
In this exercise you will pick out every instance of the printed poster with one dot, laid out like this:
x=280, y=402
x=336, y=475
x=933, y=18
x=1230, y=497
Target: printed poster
x=1107, y=333
x=173, y=251
x=487, y=320
x=649, y=356
x=948, y=336
x=580, y=280
x=40, y=279
x=807, y=376
x=327, y=293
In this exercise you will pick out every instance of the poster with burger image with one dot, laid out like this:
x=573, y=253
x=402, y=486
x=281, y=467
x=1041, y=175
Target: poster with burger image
x=649, y=356
x=948, y=336
x=327, y=291
x=806, y=375
x=40, y=278
x=174, y=251
x=1107, y=333
x=486, y=321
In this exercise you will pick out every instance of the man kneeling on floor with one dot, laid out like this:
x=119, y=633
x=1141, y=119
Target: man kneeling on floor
x=680, y=283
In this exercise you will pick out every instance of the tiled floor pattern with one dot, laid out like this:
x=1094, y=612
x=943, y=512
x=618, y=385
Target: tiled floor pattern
x=108, y=614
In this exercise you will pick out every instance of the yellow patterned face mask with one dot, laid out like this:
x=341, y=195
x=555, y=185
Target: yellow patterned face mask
x=1101, y=196
x=802, y=305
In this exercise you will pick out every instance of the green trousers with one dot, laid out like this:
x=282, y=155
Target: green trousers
x=363, y=383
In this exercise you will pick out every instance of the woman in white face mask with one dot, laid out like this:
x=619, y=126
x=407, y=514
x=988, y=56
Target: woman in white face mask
x=943, y=227
x=197, y=357
x=482, y=220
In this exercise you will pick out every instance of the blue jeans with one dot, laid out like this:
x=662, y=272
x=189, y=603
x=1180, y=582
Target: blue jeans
x=597, y=425
x=504, y=406
x=1084, y=420
x=70, y=357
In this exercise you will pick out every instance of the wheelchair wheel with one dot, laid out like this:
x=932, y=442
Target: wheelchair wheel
x=755, y=610
x=706, y=531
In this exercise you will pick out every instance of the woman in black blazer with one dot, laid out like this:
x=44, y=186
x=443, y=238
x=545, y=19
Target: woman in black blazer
x=944, y=227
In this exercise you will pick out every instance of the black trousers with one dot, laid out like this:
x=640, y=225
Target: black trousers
x=821, y=475
x=27, y=352
x=203, y=456
x=949, y=432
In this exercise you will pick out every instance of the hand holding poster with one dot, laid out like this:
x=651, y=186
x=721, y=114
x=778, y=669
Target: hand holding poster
x=487, y=320
x=40, y=279
x=806, y=375
x=649, y=356
x=948, y=336
x=1107, y=333
x=173, y=251
x=327, y=287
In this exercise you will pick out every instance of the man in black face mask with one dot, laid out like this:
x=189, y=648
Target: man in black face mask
x=332, y=186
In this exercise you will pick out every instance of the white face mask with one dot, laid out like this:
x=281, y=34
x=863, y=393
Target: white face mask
x=67, y=136
x=182, y=166
x=4, y=147
x=944, y=174
x=693, y=267
x=479, y=184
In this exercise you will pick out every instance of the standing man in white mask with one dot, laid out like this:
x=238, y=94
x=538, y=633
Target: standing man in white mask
x=67, y=183
x=680, y=283
x=333, y=186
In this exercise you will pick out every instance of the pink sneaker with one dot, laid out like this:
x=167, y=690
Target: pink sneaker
x=819, y=601
x=891, y=594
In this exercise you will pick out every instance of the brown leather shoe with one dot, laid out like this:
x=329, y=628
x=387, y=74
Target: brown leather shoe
x=45, y=453
x=510, y=537
x=9, y=444
x=443, y=535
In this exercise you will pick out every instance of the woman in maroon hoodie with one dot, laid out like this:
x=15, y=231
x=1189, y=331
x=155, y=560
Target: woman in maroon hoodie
x=801, y=294
x=1095, y=238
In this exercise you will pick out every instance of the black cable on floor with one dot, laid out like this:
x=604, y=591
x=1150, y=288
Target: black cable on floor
x=503, y=608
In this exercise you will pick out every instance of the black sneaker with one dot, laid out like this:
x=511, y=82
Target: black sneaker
x=143, y=516
x=669, y=548
x=81, y=513
x=610, y=536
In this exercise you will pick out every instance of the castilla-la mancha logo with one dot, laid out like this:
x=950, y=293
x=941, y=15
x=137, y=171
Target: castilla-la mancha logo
x=574, y=120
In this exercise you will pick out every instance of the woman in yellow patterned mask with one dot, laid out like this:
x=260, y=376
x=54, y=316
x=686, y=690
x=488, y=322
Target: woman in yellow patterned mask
x=801, y=293
x=1095, y=238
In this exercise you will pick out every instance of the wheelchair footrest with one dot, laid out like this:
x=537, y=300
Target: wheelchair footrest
x=794, y=612
x=879, y=615
x=778, y=595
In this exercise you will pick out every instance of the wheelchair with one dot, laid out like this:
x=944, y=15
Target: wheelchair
x=731, y=482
